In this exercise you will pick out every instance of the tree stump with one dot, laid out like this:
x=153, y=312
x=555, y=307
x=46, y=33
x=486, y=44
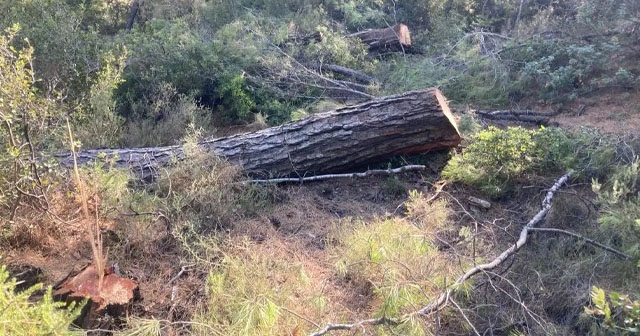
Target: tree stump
x=114, y=297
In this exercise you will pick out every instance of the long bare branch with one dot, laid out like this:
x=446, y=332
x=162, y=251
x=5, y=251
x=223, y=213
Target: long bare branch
x=370, y=172
x=546, y=206
x=360, y=324
x=444, y=298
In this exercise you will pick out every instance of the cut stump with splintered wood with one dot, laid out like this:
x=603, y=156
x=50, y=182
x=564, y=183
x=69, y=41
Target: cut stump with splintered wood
x=333, y=142
x=114, y=298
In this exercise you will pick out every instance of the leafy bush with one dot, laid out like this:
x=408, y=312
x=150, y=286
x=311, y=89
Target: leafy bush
x=556, y=67
x=30, y=124
x=212, y=72
x=495, y=158
x=620, y=314
x=20, y=316
x=99, y=125
x=65, y=54
x=167, y=121
x=164, y=53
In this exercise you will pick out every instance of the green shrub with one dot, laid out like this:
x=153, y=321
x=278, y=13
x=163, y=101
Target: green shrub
x=255, y=289
x=619, y=314
x=235, y=100
x=20, y=316
x=164, y=53
x=30, y=124
x=496, y=158
x=397, y=260
x=200, y=185
x=65, y=55
x=167, y=120
x=465, y=77
x=99, y=125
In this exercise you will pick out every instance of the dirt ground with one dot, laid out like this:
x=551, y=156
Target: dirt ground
x=610, y=112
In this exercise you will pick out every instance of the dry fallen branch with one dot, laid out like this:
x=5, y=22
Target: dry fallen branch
x=524, y=116
x=184, y=268
x=444, y=298
x=546, y=206
x=586, y=240
x=337, y=176
x=347, y=72
x=361, y=324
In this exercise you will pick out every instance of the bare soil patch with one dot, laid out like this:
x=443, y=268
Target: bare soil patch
x=611, y=112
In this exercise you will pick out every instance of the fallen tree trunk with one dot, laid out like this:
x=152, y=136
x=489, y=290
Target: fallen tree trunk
x=395, y=38
x=413, y=122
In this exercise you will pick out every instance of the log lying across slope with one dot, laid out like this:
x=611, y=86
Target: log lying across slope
x=395, y=38
x=330, y=142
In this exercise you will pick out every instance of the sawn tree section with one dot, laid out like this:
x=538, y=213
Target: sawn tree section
x=408, y=123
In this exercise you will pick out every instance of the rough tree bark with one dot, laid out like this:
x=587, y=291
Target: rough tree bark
x=408, y=123
x=396, y=38
x=133, y=13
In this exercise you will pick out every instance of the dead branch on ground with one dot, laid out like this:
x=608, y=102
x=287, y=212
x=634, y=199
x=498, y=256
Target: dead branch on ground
x=525, y=116
x=618, y=253
x=444, y=298
x=367, y=173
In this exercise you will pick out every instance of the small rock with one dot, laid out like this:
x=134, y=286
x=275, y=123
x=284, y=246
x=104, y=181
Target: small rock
x=479, y=202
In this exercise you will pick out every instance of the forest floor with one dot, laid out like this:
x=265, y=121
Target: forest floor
x=610, y=112
x=296, y=227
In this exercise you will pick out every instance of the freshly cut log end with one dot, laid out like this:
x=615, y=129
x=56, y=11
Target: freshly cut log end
x=114, y=297
x=332, y=142
x=395, y=38
x=403, y=34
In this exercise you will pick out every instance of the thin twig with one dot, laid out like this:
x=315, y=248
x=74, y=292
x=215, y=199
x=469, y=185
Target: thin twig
x=465, y=317
x=182, y=270
x=370, y=322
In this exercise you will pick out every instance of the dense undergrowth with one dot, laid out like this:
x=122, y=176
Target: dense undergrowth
x=183, y=70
